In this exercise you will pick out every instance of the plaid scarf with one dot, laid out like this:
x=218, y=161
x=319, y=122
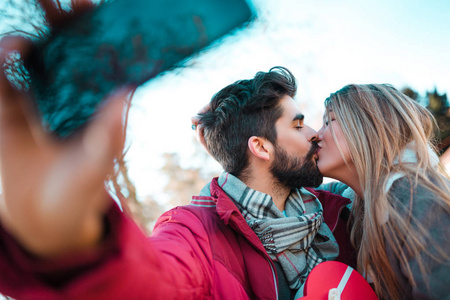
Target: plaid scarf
x=299, y=241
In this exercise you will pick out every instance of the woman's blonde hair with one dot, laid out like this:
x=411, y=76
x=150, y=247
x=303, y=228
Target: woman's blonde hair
x=379, y=123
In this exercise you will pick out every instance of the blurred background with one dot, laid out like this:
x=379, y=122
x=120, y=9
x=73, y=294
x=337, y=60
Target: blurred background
x=325, y=43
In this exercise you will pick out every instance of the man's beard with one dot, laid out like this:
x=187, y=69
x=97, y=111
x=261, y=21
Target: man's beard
x=292, y=172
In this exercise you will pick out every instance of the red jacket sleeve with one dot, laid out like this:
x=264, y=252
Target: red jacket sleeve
x=127, y=265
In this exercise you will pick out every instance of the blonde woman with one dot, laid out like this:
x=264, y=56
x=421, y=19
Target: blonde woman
x=378, y=141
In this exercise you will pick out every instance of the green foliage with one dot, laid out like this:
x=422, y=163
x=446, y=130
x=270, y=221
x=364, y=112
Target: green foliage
x=410, y=93
x=438, y=105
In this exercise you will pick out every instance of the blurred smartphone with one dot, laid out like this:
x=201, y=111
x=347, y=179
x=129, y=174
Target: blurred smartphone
x=118, y=43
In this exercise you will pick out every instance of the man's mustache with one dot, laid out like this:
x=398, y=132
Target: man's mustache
x=312, y=150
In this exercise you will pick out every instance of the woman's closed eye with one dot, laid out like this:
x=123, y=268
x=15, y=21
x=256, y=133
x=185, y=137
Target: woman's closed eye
x=327, y=122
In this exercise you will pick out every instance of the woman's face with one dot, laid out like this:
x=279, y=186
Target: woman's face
x=331, y=161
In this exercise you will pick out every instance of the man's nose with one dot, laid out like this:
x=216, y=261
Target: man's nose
x=312, y=135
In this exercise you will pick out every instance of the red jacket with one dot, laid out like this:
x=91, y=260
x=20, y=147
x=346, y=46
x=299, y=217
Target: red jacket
x=200, y=251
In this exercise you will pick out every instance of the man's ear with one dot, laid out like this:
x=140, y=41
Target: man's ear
x=260, y=147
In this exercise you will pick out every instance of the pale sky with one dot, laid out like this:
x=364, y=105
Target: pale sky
x=326, y=44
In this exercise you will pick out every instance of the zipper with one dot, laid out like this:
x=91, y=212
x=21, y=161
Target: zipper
x=274, y=277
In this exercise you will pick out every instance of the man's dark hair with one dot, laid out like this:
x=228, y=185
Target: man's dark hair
x=244, y=109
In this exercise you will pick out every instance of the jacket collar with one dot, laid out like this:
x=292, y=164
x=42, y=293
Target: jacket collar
x=227, y=212
x=230, y=214
x=332, y=206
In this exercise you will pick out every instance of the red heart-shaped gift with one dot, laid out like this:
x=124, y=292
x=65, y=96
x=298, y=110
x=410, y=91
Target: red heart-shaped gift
x=333, y=274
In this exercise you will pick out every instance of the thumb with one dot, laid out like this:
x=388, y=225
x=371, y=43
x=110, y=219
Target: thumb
x=200, y=135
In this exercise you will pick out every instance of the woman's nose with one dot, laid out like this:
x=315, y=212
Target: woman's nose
x=320, y=134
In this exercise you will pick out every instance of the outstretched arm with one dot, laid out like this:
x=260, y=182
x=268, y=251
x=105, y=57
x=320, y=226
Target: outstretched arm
x=53, y=195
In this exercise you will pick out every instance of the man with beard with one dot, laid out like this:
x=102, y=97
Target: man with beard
x=256, y=131
x=253, y=233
